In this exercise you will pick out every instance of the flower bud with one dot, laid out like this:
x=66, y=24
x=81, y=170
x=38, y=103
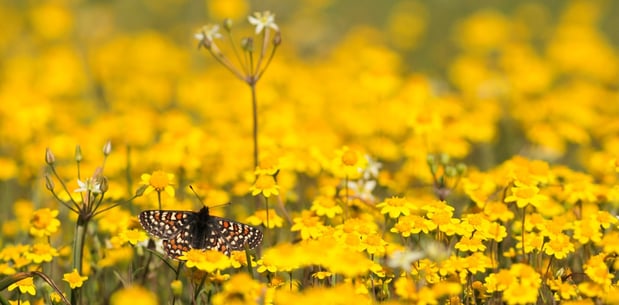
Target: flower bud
x=177, y=288
x=49, y=182
x=247, y=44
x=49, y=157
x=107, y=148
x=104, y=184
x=78, y=153
x=277, y=39
x=140, y=190
x=227, y=24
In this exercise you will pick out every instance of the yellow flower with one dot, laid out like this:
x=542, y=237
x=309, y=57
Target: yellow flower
x=348, y=163
x=44, y=222
x=158, y=181
x=326, y=206
x=471, y=244
x=208, y=261
x=177, y=287
x=524, y=195
x=41, y=252
x=25, y=286
x=74, y=279
x=260, y=218
x=395, y=206
x=266, y=185
x=133, y=236
x=559, y=246
x=309, y=225
x=240, y=289
x=134, y=295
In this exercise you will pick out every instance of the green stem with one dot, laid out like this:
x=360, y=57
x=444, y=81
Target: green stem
x=78, y=253
x=254, y=104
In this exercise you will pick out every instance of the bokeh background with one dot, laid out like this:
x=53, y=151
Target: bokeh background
x=480, y=81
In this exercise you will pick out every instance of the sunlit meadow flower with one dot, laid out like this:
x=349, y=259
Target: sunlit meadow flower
x=472, y=244
x=263, y=20
x=7, y=269
x=55, y=297
x=259, y=218
x=519, y=284
x=74, y=279
x=284, y=257
x=207, y=261
x=25, y=286
x=266, y=185
x=373, y=244
x=116, y=256
x=413, y=224
x=135, y=295
x=597, y=270
x=562, y=290
x=348, y=163
x=41, y=252
x=133, y=236
x=395, y=206
x=44, y=222
x=19, y=302
x=240, y=289
x=524, y=195
x=326, y=206
x=158, y=181
x=308, y=224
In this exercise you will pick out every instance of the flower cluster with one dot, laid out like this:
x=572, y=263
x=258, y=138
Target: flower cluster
x=493, y=178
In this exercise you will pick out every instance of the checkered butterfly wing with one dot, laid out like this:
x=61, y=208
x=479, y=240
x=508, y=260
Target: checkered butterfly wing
x=185, y=230
x=227, y=235
x=166, y=224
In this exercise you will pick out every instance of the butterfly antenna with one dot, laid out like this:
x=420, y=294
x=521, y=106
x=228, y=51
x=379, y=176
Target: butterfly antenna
x=202, y=201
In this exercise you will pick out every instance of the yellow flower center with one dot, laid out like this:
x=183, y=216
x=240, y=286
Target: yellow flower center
x=159, y=180
x=40, y=221
x=265, y=182
x=396, y=202
x=349, y=158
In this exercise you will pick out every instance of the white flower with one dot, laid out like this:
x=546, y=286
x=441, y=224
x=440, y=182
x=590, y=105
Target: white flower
x=208, y=33
x=403, y=259
x=88, y=186
x=363, y=189
x=262, y=21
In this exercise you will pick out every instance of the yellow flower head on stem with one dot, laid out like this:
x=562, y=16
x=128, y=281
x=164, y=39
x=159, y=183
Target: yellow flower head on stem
x=44, y=222
x=74, y=279
x=25, y=286
x=158, y=181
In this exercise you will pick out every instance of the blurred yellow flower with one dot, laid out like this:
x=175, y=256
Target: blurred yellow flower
x=133, y=236
x=41, y=252
x=25, y=286
x=240, y=289
x=266, y=185
x=260, y=218
x=326, y=206
x=308, y=224
x=44, y=222
x=135, y=295
x=207, y=261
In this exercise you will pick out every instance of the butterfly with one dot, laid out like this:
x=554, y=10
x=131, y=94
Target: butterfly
x=185, y=230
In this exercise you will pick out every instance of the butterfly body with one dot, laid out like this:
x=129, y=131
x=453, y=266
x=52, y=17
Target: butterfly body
x=185, y=230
